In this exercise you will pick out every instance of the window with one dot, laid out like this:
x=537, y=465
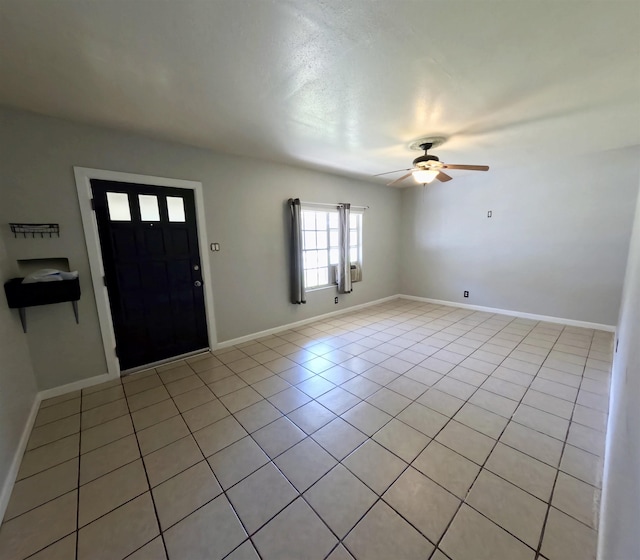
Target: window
x=175, y=208
x=118, y=204
x=320, y=245
x=149, y=210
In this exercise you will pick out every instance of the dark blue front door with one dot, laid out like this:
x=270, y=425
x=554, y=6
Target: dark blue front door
x=149, y=243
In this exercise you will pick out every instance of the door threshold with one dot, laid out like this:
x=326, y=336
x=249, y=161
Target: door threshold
x=137, y=369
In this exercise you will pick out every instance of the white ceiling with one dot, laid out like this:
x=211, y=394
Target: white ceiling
x=342, y=85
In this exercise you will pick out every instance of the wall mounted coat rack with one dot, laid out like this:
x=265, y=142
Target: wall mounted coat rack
x=34, y=230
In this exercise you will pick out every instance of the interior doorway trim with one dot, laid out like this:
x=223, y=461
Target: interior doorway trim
x=83, y=176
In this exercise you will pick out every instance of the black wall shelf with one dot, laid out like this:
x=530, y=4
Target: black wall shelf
x=20, y=296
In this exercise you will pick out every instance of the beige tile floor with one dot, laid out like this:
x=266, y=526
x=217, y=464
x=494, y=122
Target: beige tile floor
x=402, y=431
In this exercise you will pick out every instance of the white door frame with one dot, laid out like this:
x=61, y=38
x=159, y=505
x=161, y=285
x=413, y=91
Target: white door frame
x=83, y=177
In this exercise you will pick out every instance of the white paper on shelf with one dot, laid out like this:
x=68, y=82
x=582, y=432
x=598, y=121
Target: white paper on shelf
x=49, y=275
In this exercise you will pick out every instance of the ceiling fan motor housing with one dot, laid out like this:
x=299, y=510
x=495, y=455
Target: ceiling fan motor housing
x=427, y=161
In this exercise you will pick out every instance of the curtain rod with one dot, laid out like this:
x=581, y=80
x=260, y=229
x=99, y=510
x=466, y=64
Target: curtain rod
x=329, y=205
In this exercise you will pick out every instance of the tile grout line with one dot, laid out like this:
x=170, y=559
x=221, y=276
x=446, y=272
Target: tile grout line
x=206, y=460
x=403, y=471
x=528, y=388
x=463, y=501
x=380, y=498
x=146, y=474
x=555, y=481
x=299, y=493
x=482, y=467
x=498, y=365
x=131, y=499
x=314, y=399
x=307, y=436
x=369, y=437
x=340, y=462
x=78, y=490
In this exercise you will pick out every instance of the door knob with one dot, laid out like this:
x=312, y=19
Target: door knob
x=197, y=283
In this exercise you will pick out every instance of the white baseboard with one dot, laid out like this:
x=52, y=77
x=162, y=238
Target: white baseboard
x=81, y=384
x=509, y=312
x=9, y=481
x=288, y=326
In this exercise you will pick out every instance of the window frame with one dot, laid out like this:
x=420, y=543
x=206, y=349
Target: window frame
x=328, y=209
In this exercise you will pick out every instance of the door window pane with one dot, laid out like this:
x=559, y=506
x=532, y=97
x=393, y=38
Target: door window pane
x=149, y=211
x=118, y=204
x=175, y=207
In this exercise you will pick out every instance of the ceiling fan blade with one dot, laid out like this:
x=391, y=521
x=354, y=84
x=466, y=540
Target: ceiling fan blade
x=469, y=167
x=389, y=172
x=443, y=177
x=399, y=180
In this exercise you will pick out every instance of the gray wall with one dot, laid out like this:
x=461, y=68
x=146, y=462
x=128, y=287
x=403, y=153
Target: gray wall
x=556, y=245
x=621, y=484
x=244, y=206
x=17, y=382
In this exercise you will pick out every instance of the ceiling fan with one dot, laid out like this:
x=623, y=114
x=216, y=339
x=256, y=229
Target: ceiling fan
x=428, y=168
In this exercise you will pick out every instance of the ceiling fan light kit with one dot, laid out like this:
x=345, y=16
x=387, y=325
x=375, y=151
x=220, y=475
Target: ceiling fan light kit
x=428, y=168
x=424, y=176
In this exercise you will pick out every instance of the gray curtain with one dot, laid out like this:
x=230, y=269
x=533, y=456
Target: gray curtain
x=344, y=264
x=295, y=252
